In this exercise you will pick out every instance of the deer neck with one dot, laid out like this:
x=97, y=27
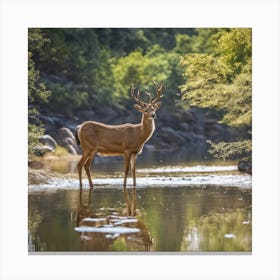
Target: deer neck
x=147, y=128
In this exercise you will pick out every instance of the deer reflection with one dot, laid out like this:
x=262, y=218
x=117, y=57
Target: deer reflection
x=111, y=229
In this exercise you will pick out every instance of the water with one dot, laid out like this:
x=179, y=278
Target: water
x=199, y=208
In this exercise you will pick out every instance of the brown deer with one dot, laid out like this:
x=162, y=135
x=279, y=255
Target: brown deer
x=125, y=140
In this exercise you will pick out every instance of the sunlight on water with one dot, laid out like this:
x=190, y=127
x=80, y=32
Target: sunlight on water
x=241, y=181
x=111, y=230
x=176, y=176
x=179, y=169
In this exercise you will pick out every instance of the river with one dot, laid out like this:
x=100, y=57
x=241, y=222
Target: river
x=201, y=207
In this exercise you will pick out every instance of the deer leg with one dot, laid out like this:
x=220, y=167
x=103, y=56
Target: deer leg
x=80, y=166
x=133, y=167
x=128, y=208
x=133, y=171
x=87, y=167
x=134, y=200
x=126, y=170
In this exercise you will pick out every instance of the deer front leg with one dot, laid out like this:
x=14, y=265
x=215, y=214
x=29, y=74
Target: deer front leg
x=133, y=167
x=127, y=158
x=133, y=171
x=126, y=170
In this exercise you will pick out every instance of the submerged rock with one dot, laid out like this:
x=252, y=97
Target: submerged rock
x=245, y=166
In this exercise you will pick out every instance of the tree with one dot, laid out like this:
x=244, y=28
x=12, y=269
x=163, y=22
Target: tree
x=37, y=92
x=223, y=80
x=140, y=69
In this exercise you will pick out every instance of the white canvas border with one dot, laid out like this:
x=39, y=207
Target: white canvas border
x=17, y=16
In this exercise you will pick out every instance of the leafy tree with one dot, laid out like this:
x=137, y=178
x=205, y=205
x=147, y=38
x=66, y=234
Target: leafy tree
x=203, y=41
x=223, y=80
x=77, y=69
x=37, y=92
x=184, y=44
x=140, y=69
x=234, y=48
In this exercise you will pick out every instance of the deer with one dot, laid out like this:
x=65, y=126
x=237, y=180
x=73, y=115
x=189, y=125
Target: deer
x=127, y=140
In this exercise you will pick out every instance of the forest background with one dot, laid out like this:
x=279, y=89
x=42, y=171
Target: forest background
x=80, y=74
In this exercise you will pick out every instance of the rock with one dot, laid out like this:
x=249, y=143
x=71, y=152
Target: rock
x=185, y=127
x=65, y=138
x=70, y=141
x=210, y=121
x=40, y=150
x=62, y=134
x=245, y=166
x=214, y=132
x=172, y=136
x=71, y=149
x=47, y=140
x=187, y=116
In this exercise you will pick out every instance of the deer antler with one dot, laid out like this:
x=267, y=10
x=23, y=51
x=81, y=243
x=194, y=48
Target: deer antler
x=136, y=98
x=151, y=100
x=158, y=89
x=150, y=97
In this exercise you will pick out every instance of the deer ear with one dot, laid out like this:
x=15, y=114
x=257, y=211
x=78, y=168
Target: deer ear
x=138, y=107
x=158, y=104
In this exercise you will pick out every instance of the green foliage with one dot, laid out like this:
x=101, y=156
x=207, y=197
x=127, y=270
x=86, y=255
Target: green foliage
x=206, y=78
x=222, y=80
x=37, y=92
x=226, y=150
x=66, y=97
x=234, y=47
x=77, y=69
x=140, y=69
x=202, y=43
x=183, y=44
x=34, y=131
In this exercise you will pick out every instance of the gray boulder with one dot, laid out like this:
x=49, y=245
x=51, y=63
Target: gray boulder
x=40, y=150
x=47, y=140
x=66, y=139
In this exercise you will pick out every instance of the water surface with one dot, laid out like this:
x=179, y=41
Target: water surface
x=198, y=208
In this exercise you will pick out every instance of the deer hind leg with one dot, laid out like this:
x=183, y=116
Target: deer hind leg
x=87, y=167
x=80, y=166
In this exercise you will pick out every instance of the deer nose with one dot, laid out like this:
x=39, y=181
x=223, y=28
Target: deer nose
x=154, y=115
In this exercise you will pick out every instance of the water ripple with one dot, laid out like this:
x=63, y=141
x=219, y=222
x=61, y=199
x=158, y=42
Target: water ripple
x=224, y=180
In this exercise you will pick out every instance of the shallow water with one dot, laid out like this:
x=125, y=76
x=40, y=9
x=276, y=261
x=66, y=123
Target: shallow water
x=201, y=208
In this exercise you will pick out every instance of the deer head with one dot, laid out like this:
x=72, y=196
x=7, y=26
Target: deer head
x=148, y=108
